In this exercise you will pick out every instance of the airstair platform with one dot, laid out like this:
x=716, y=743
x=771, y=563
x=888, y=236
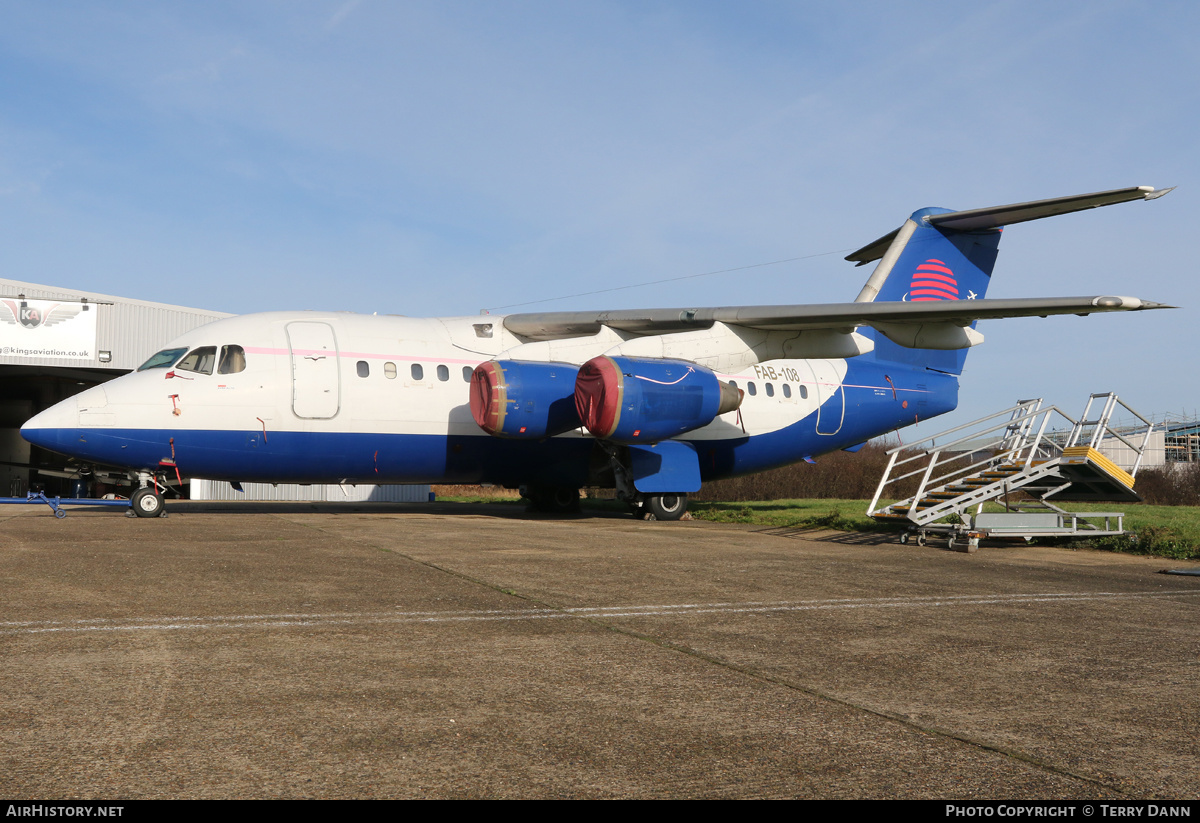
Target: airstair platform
x=1030, y=458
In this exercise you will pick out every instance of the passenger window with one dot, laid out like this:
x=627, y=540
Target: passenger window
x=733, y=384
x=803, y=392
x=467, y=370
x=418, y=373
x=443, y=373
x=163, y=360
x=770, y=390
x=199, y=360
x=233, y=360
x=389, y=370
x=787, y=390
x=751, y=389
x=364, y=368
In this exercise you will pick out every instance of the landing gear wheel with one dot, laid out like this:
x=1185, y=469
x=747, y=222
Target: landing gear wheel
x=553, y=499
x=904, y=538
x=147, y=503
x=563, y=500
x=666, y=506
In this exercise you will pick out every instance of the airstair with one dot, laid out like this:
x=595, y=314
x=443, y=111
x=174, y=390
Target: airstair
x=1029, y=457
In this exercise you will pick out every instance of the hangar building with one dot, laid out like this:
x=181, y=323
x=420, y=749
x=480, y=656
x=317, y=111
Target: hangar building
x=54, y=343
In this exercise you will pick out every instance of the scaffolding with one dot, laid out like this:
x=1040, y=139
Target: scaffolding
x=1181, y=441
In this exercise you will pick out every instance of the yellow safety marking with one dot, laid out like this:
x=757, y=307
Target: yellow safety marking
x=1090, y=455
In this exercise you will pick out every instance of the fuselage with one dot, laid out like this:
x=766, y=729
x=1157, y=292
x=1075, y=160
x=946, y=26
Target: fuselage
x=333, y=397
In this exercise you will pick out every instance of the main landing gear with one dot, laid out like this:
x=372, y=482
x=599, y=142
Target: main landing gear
x=651, y=506
x=552, y=499
x=665, y=506
x=644, y=505
x=565, y=500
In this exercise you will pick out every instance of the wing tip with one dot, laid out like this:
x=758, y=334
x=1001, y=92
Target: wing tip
x=1153, y=193
x=1119, y=302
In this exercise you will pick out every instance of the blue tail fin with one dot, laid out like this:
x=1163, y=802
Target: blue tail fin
x=928, y=262
x=943, y=255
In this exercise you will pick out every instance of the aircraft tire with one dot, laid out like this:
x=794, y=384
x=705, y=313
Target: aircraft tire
x=667, y=506
x=147, y=503
x=554, y=499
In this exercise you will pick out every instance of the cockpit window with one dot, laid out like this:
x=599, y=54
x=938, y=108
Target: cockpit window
x=233, y=360
x=163, y=360
x=199, y=360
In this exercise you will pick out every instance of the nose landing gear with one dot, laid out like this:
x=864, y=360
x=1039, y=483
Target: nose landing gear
x=147, y=501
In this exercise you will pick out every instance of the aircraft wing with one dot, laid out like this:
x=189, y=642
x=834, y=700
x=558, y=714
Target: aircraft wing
x=841, y=317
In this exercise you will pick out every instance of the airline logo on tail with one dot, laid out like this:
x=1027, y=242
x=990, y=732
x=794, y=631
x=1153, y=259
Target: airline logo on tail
x=933, y=280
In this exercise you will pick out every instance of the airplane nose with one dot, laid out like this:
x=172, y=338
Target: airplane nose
x=49, y=428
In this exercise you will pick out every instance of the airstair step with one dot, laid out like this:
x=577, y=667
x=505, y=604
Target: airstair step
x=962, y=488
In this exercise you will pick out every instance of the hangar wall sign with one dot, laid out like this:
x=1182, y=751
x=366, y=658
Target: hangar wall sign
x=47, y=328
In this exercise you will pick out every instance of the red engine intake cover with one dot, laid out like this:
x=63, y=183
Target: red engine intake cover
x=599, y=390
x=488, y=396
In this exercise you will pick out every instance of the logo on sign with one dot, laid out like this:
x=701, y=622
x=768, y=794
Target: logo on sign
x=33, y=316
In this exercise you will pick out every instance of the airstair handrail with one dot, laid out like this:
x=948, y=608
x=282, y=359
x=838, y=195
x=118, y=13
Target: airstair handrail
x=1024, y=404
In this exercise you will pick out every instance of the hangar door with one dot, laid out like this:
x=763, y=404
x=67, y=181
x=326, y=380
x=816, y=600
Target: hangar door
x=316, y=393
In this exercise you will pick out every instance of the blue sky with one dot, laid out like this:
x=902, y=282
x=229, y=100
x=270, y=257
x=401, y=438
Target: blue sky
x=440, y=158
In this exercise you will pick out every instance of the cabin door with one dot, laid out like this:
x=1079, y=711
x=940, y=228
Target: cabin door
x=316, y=392
x=830, y=395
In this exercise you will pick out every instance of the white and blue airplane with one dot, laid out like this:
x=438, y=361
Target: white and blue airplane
x=649, y=402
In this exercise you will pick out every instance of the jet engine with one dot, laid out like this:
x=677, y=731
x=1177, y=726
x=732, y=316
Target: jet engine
x=522, y=399
x=644, y=400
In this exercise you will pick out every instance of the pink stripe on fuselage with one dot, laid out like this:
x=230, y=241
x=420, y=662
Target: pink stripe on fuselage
x=352, y=355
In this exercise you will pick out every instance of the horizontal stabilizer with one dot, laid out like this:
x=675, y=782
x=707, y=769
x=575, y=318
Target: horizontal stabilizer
x=997, y=216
